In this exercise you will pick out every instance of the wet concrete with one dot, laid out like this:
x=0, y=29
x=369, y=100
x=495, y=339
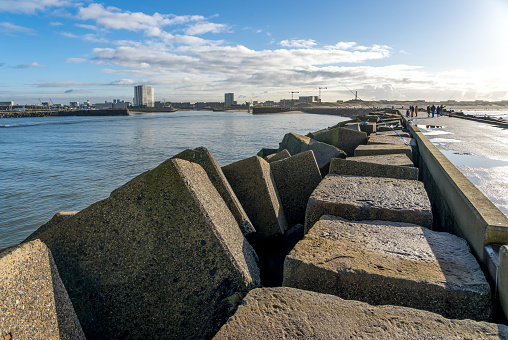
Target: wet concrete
x=478, y=150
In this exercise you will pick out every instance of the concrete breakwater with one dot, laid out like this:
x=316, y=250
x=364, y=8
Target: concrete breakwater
x=189, y=249
x=64, y=113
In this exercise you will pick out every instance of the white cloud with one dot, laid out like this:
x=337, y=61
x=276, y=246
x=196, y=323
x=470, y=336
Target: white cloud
x=34, y=64
x=32, y=6
x=55, y=23
x=298, y=43
x=9, y=28
x=206, y=27
x=76, y=60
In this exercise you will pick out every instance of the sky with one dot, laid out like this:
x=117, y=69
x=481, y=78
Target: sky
x=78, y=50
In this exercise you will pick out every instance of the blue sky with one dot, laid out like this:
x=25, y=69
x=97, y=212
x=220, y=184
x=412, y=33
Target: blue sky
x=70, y=50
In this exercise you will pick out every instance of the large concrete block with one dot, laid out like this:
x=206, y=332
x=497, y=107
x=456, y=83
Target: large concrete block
x=323, y=152
x=56, y=219
x=369, y=198
x=353, y=167
x=33, y=301
x=278, y=156
x=162, y=256
x=383, y=139
x=398, y=159
x=294, y=143
x=205, y=158
x=253, y=183
x=288, y=313
x=296, y=178
x=383, y=149
x=368, y=127
x=390, y=263
x=394, y=133
x=502, y=276
x=342, y=138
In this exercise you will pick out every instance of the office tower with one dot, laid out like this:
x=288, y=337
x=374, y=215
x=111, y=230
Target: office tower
x=229, y=99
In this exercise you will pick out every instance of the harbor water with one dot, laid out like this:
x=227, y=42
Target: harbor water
x=54, y=164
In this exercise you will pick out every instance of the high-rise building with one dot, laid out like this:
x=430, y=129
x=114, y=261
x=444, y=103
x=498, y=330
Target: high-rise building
x=229, y=99
x=143, y=95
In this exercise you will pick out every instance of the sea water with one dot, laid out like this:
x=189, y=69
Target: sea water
x=54, y=164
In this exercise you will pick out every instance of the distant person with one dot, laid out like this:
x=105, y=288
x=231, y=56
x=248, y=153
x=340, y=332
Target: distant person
x=416, y=111
x=428, y=111
x=407, y=113
x=412, y=108
x=433, y=109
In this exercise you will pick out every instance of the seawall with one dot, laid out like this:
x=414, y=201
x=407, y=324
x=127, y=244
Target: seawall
x=64, y=113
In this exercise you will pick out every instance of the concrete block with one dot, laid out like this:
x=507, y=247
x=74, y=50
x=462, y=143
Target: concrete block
x=382, y=128
x=368, y=127
x=33, y=301
x=288, y=313
x=56, y=219
x=369, y=198
x=394, y=133
x=294, y=143
x=324, y=153
x=296, y=178
x=390, y=263
x=371, y=118
x=352, y=126
x=344, y=139
x=204, y=157
x=383, y=149
x=383, y=139
x=278, y=156
x=353, y=167
x=253, y=183
x=162, y=256
x=389, y=159
x=266, y=152
x=502, y=277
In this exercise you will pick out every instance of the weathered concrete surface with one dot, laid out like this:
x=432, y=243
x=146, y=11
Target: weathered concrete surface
x=33, y=301
x=383, y=139
x=502, y=277
x=204, y=157
x=323, y=152
x=342, y=138
x=383, y=149
x=352, y=126
x=266, y=152
x=278, y=156
x=390, y=263
x=253, y=183
x=56, y=219
x=353, y=167
x=394, y=133
x=398, y=159
x=368, y=128
x=369, y=198
x=288, y=313
x=162, y=256
x=296, y=178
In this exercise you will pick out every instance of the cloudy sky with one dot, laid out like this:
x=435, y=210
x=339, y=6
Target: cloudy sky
x=71, y=50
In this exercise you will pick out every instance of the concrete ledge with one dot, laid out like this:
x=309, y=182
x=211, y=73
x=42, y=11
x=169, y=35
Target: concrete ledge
x=288, y=313
x=278, y=156
x=353, y=167
x=398, y=159
x=390, y=263
x=383, y=149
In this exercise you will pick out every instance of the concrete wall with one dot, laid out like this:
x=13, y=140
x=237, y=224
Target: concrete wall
x=458, y=205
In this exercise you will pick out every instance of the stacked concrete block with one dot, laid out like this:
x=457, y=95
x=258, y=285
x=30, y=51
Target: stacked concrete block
x=383, y=149
x=288, y=313
x=369, y=198
x=323, y=152
x=56, y=219
x=383, y=139
x=162, y=256
x=266, y=152
x=344, y=139
x=368, y=128
x=33, y=301
x=253, y=183
x=394, y=133
x=390, y=263
x=296, y=178
x=204, y=157
x=353, y=126
x=398, y=159
x=371, y=118
x=353, y=167
x=278, y=156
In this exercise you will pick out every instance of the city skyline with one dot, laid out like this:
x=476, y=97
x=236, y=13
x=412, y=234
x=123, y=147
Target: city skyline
x=197, y=51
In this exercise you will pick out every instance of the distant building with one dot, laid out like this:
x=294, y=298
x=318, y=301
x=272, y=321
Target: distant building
x=229, y=99
x=143, y=96
x=308, y=99
x=74, y=104
x=184, y=105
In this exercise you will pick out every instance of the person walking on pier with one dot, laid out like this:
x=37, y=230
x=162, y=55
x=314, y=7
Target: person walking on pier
x=412, y=108
x=433, y=109
x=416, y=111
x=428, y=111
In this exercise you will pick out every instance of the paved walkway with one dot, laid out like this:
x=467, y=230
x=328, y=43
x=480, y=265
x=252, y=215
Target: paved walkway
x=478, y=150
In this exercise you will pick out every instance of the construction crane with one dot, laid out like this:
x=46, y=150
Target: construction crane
x=321, y=88
x=292, y=94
